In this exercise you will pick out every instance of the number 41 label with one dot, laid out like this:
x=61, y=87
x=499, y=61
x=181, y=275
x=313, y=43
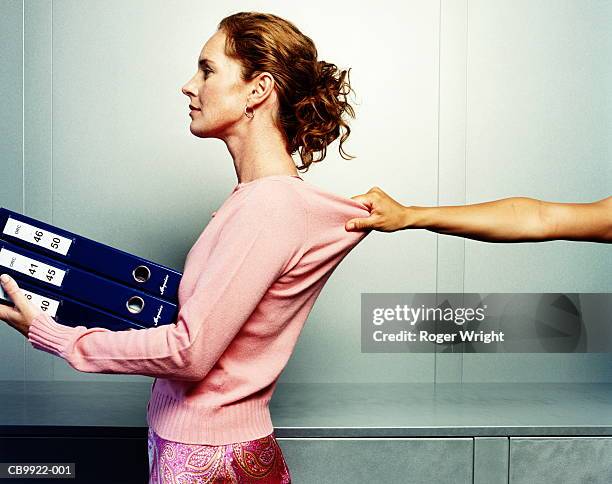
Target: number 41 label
x=31, y=267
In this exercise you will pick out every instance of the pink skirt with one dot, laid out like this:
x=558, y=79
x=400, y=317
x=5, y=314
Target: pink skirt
x=258, y=461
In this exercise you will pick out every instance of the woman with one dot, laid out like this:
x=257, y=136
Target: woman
x=515, y=219
x=253, y=275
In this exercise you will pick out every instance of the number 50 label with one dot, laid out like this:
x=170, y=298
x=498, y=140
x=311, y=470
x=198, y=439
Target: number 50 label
x=31, y=267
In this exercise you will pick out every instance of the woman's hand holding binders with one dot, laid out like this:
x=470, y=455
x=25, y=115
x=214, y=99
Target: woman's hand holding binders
x=19, y=317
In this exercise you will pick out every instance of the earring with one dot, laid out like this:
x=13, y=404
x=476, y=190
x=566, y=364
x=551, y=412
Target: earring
x=249, y=115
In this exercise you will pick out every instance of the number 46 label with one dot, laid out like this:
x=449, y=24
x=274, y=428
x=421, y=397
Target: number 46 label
x=31, y=267
x=37, y=236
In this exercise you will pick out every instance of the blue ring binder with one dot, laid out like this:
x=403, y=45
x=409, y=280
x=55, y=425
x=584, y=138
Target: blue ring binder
x=84, y=286
x=89, y=255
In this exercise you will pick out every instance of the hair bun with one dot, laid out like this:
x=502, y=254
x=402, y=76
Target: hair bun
x=320, y=113
x=331, y=80
x=323, y=70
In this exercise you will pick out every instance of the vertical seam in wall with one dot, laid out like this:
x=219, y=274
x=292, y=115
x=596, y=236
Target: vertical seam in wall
x=438, y=135
x=25, y=360
x=465, y=140
x=465, y=123
x=52, y=220
x=23, y=106
x=438, y=172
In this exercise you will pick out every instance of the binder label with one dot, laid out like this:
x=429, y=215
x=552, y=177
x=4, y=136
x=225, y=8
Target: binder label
x=31, y=267
x=46, y=304
x=37, y=236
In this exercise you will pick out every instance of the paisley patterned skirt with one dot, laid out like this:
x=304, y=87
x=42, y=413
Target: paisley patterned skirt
x=257, y=461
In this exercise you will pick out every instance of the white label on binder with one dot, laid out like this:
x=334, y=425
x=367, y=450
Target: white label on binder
x=31, y=267
x=37, y=236
x=46, y=304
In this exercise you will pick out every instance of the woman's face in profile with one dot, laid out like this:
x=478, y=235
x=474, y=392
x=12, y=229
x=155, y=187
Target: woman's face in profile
x=216, y=91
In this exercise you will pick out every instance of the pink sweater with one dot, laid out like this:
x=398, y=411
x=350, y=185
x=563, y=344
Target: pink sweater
x=249, y=283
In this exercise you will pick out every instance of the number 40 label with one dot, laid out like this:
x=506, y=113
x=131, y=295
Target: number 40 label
x=46, y=304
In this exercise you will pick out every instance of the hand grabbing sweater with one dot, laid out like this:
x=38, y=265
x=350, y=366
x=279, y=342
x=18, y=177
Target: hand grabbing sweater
x=248, y=285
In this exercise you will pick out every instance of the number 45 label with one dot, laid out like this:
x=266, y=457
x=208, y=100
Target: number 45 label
x=31, y=267
x=37, y=236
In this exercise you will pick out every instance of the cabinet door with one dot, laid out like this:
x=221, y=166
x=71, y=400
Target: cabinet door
x=368, y=460
x=562, y=460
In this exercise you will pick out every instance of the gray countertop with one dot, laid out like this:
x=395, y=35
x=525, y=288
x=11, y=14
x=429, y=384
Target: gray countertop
x=334, y=410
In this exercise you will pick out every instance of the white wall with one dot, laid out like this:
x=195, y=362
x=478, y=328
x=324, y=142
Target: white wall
x=457, y=102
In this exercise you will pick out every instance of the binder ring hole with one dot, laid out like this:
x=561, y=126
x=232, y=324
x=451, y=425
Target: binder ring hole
x=135, y=304
x=141, y=274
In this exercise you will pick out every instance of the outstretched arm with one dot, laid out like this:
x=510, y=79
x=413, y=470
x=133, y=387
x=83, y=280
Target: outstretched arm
x=516, y=219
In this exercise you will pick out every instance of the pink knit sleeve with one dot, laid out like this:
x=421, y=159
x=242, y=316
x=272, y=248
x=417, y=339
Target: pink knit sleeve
x=256, y=245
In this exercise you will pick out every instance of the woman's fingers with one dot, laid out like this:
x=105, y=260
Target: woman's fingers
x=370, y=200
x=24, y=309
x=15, y=319
x=364, y=199
x=385, y=212
x=9, y=314
x=12, y=290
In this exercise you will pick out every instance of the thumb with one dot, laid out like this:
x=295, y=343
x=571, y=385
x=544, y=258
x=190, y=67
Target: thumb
x=359, y=223
x=11, y=289
x=8, y=284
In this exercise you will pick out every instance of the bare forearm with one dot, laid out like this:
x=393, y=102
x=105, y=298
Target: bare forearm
x=517, y=219
x=579, y=221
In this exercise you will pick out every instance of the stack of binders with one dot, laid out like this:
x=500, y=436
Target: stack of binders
x=81, y=282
